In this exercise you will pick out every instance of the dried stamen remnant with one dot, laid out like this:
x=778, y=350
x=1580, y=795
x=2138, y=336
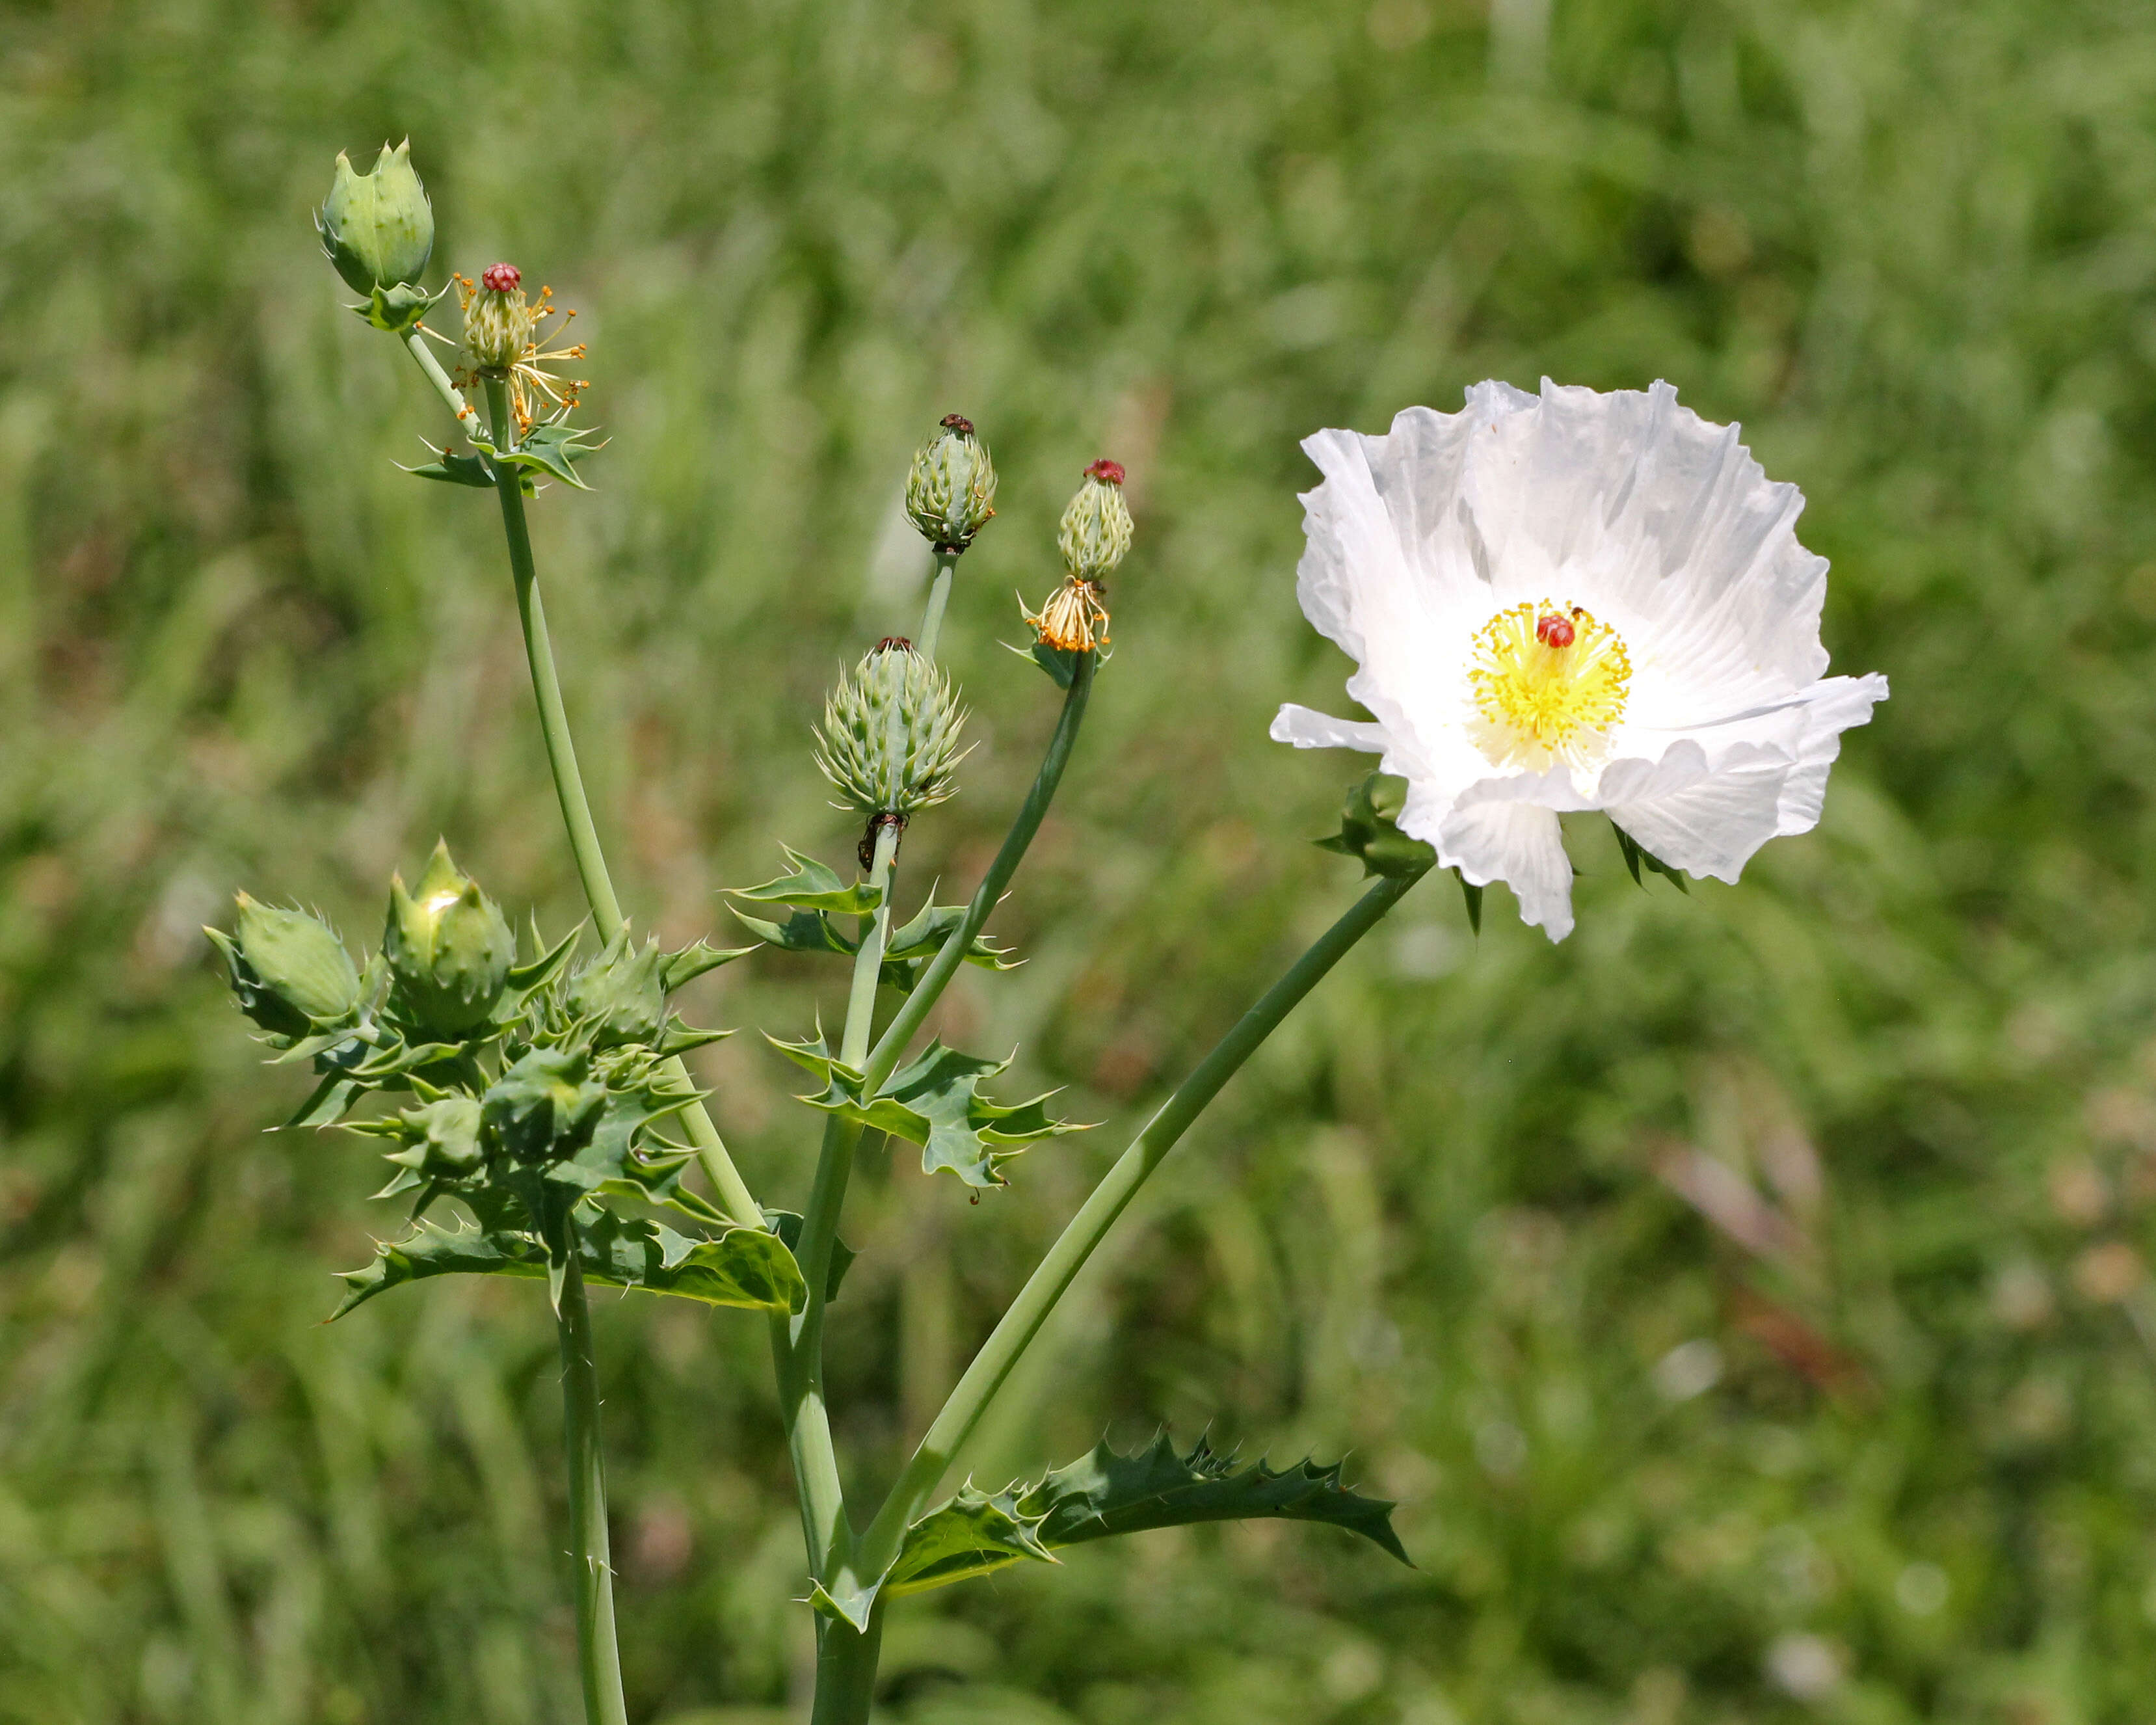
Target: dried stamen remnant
x=1075, y=618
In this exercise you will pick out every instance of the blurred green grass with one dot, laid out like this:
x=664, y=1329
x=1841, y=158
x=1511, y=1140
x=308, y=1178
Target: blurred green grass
x=1863, y=1429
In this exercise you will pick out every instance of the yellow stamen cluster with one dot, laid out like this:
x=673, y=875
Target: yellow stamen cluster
x=1075, y=618
x=1549, y=682
x=502, y=340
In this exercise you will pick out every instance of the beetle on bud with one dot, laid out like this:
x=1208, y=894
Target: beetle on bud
x=951, y=490
x=378, y=227
x=448, y=947
x=290, y=971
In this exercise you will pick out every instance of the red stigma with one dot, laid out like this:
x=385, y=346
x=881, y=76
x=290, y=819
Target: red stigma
x=959, y=422
x=1553, y=630
x=1112, y=472
x=501, y=278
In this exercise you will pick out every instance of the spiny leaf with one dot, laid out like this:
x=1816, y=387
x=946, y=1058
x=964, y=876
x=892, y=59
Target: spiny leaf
x=691, y=962
x=803, y=932
x=975, y=1533
x=787, y=1225
x=744, y=1267
x=1107, y=1492
x=812, y=886
x=453, y=468
x=934, y=1101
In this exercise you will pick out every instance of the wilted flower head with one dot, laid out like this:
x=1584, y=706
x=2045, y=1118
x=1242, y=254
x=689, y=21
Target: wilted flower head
x=502, y=339
x=1568, y=602
x=951, y=489
x=889, y=742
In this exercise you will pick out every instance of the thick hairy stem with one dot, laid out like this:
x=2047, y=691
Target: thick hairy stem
x=891, y=1046
x=962, y=1413
x=734, y=1195
x=598, y=1661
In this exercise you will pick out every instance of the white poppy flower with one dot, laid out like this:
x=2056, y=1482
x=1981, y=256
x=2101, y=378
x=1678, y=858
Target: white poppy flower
x=1567, y=601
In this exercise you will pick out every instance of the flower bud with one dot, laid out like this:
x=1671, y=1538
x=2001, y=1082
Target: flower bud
x=442, y=1137
x=889, y=742
x=951, y=491
x=1096, y=530
x=498, y=318
x=622, y=991
x=448, y=947
x=291, y=973
x=378, y=227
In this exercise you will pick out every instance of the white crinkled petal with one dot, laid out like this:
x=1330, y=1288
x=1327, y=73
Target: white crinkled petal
x=1494, y=837
x=1308, y=729
x=1708, y=815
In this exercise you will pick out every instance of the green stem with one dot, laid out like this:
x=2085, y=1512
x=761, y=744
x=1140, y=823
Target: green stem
x=598, y=1659
x=939, y=596
x=712, y=1154
x=891, y=1046
x=452, y=397
x=846, y=1670
x=1085, y=1231
x=797, y=1343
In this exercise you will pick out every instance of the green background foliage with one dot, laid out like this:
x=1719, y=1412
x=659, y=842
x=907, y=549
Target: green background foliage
x=1743, y=1298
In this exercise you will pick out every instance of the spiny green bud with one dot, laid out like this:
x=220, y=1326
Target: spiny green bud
x=545, y=1105
x=622, y=991
x=1096, y=530
x=442, y=1137
x=378, y=227
x=448, y=947
x=951, y=492
x=889, y=742
x=290, y=971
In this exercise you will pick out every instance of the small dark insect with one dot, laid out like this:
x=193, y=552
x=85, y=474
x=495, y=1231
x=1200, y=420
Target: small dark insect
x=891, y=643
x=959, y=422
x=866, y=850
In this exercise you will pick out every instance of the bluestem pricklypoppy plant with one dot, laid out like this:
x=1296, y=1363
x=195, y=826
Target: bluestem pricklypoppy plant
x=537, y=1115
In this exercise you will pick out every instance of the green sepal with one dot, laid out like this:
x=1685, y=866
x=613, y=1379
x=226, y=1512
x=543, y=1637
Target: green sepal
x=850, y=1605
x=1060, y=662
x=803, y=932
x=1368, y=830
x=397, y=309
x=974, y=1533
x=933, y=1102
x=1637, y=857
x=743, y=1267
x=812, y=886
x=787, y=1225
x=1473, y=896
